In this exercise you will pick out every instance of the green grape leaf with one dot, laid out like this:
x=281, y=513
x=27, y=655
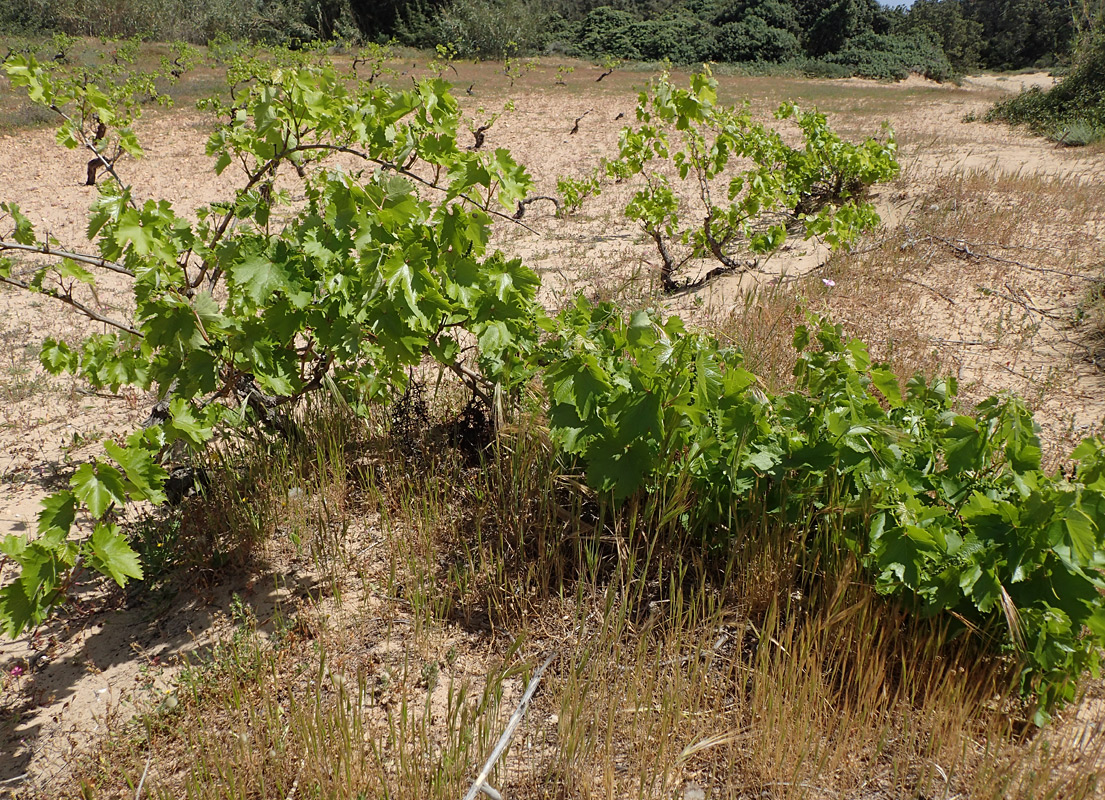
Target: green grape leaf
x=887, y=384
x=58, y=512
x=99, y=487
x=112, y=555
x=17, y=611
x=259, y=277
x=24, y=231
x=129, y=142
x=144, y=475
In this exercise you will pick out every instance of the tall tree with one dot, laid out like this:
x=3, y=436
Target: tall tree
x=839, y=21
x=1023, y=33
x=960, y=36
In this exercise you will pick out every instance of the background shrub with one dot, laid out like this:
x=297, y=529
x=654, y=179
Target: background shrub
x=1073, y=111
x=755, y=40
x=198, y=21
x=872, y=55
x=607, y=31
x=949, y=25
x=936, y=38
x=840, y=21
x=491, y=28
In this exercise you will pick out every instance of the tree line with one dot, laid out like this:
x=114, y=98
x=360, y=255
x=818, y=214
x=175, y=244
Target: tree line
x=937, y=38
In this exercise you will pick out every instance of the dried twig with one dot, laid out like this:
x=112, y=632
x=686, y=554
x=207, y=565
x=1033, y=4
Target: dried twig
x=480, y=784
x=526, y=201
x=928, y=288
x=142, y=780
x=68, y=299
x=575, y=128
x=963, y=247
x=960, y=342
x=1018, y=301
x=46, y=250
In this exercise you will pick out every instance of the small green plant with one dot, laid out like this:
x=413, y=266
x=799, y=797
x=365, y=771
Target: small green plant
x=375, y=56
x=1079, y=133
x=63, y=46
x=442, y=62
x=479, y=129
x=608, y=63
x=818, y=187
x=575, y=191
x=98, y=104
x=562, y=73
x=182, y=58
x=513, y=67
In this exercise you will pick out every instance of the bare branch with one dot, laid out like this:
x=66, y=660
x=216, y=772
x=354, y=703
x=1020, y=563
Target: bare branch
x=716, y=248
x=1024, y=303
x=667, y=269
x=928, y=288
x=46, y=250
x=480, y=134
x=108, y=164
x=522, y=204
x=963, y=247
x=575, y=128
x=69, y=300
x=474, y=381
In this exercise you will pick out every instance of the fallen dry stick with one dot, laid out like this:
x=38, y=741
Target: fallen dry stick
x=480, y=784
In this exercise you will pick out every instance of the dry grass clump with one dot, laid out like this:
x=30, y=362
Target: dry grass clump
x=749, y=669
x=985, y=229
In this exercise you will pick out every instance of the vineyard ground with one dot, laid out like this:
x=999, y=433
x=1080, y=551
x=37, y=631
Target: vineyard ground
x=989, y=267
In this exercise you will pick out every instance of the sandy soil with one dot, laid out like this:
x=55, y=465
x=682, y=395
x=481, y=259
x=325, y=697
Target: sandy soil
x=1012, y=83
x=81, y=673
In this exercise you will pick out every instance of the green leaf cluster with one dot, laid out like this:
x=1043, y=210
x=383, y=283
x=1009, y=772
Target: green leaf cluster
x=951, y=513
x=737, y=216
x=99, y=96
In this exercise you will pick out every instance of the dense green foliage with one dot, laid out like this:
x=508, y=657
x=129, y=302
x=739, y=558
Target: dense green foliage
x=195, y=21
x=243, y=312
x=935, y=38
x=951, y=28
x=1023, y=33
x=364, y=279
x=805, y=35
x=886, y=57
x=949, y=511
x=1073, y=112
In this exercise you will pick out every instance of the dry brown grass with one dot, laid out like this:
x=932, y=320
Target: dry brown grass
x=992, y=279
x=739, y=674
